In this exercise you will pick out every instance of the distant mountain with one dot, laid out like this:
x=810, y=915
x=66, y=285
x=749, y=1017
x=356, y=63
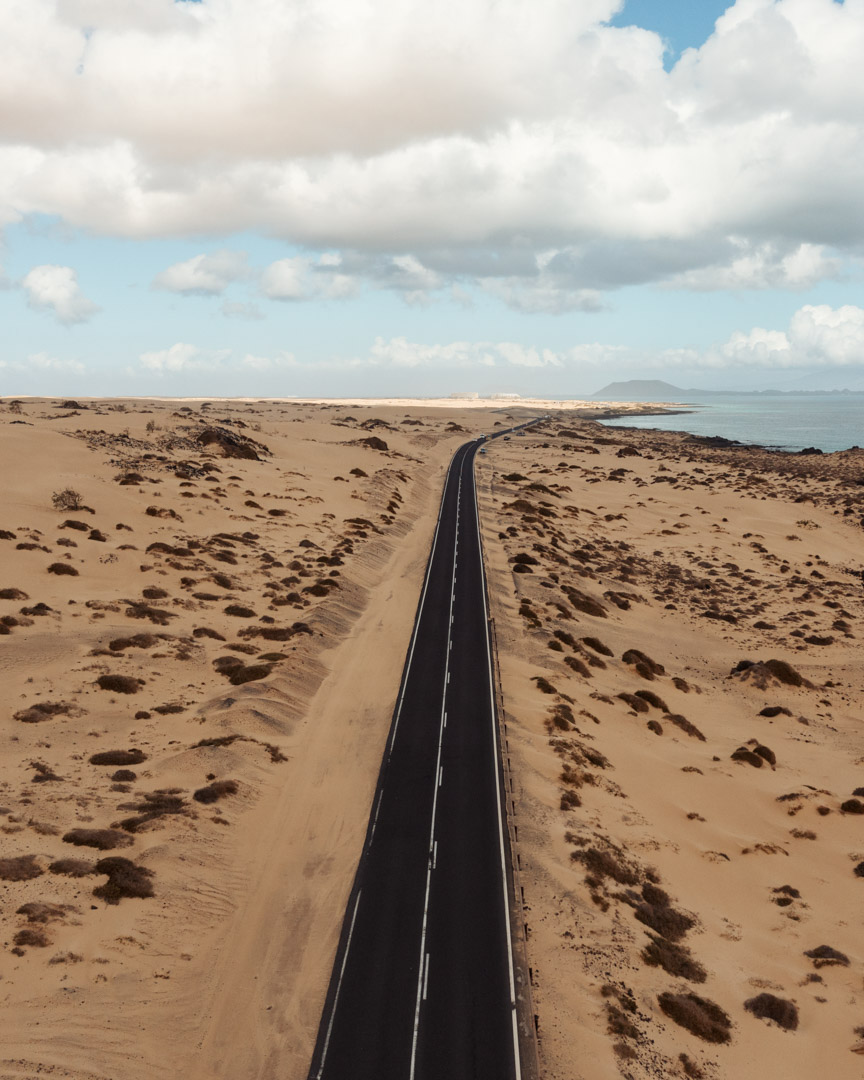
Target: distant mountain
x=652, y=390
x=641, y=390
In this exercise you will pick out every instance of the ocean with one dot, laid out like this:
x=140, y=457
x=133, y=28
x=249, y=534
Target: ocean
x=780, y=421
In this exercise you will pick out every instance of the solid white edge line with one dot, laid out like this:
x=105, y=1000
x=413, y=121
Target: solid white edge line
x=338, y=987
x=494, y=716
x=408, y=662
x=434, y=814
x=426, y=977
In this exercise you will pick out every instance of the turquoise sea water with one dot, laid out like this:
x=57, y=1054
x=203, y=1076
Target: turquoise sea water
x=787, y=422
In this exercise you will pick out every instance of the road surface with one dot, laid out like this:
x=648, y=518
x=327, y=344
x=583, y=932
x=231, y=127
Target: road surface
x=423, y=984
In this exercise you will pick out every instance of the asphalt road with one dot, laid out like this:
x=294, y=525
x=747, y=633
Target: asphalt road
x=422, y=985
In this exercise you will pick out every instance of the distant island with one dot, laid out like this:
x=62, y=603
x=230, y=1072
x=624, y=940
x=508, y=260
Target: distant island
x=658, y=390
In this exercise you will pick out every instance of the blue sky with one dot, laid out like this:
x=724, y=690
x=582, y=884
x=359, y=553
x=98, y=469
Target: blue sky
x=682, y=24
x=275, y=198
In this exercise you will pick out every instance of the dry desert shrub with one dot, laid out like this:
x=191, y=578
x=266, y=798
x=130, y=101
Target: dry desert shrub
x=686, y=726
x=158, y=616
x=20, y=868
x=215, y=791
x=119, y=684
x=561, y=717
x=118, y=757
x=543, y=685
x=37, y=912
x=768, y=1007
x=644, y=665
x=674, y=959
x=102, y=839
x=13, y=594
x=136, y=641
x=239, y=611
x=597, y=645
x=658, y=914
x=761, y=672
x=653, y=700
x=153, y=592
x=61, y=568
x=635, y=703
x=42, y=710
x=66, y=958
x=125, y=879
x=701, y=1017
x=746, y=755
x=124, y=776
x=67, y=499
x=252, y=673
x=588, y=605
x=852, y=806
x=575, y=664
x=609, y=863
x=32, y=936
x=825, y=956
x=691, y=1069
x=44, y=773
x=153, y=805
x=71, y=867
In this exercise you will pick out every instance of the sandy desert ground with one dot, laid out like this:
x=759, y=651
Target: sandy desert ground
x=679, y=637
x=200, y=659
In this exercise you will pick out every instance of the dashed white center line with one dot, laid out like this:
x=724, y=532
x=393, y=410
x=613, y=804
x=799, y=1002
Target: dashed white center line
x=426, y=977
x=375, y=819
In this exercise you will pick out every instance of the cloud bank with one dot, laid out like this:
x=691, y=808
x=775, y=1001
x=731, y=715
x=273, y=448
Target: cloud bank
x=531, y=148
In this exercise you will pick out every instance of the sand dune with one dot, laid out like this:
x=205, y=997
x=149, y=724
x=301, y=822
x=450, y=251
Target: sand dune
x=678, y=629
x=200, y=656
x=201, y=646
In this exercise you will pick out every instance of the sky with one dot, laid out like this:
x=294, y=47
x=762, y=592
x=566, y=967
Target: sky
x=387, y=197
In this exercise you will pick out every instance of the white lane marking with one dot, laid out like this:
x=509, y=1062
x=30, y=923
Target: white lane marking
x=435, y=855
x=338, y=988
x=426, y=977
x=495, y=764
x=375, y=819
x=423, y=953
x=420, y=609
x=441, y=776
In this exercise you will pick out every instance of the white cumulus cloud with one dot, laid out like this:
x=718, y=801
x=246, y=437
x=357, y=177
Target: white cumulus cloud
x=182, y=357
x=55, y=289
x=204, y=275
x=454, y=137
x=817, y=336
x=304, y=278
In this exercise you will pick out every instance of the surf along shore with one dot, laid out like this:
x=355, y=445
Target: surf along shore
x=201, y=645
